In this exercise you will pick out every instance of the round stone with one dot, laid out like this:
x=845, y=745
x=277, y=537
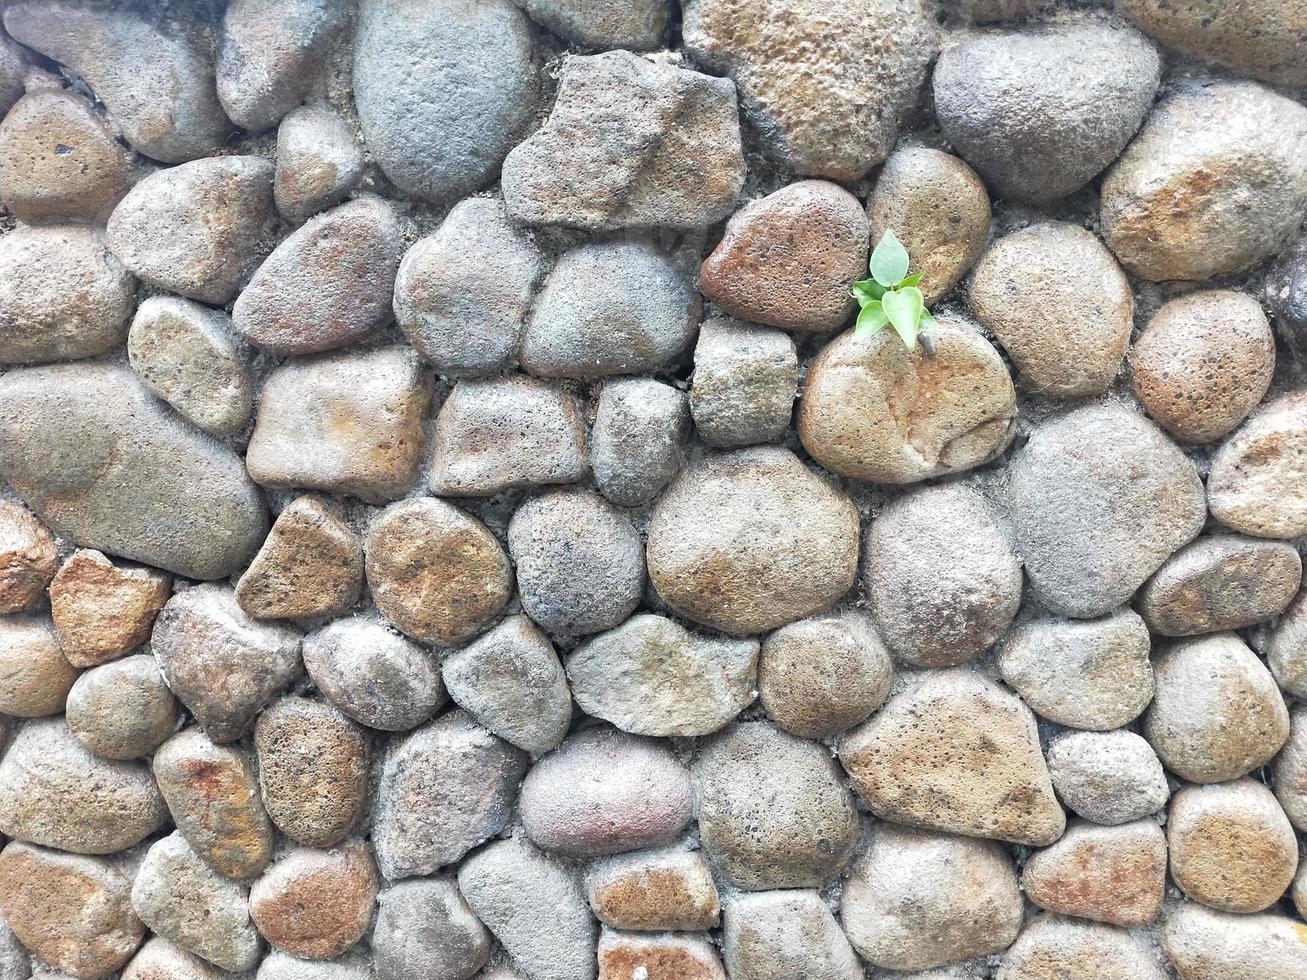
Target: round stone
x=425, y=930
x=103, y=610
x=122, y=710
x=319, y=161
x=744, y=383
x=1258, y=480
x=1286, y=297
x=29, y=558
x=638, y=440
x=786, y=933
x=1054, y=948
x=35, y=677
x=1203, y=943
x=633, y=954
x=1108, y=777
x=159, y=959
x=316, y=904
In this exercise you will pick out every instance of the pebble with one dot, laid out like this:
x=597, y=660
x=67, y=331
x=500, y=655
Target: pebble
x=511, y=682
x=1189, y=200
x=1286, y=297
x=102, y=610
x=632, y=956
x=463, y=292
x=937, y=414
x=819, y=677
x=59, y=161
x=1217, y=713
x=53, y=792
x=1232, y=847
x=773, y=810
x=213, y=795
x=1208, y=945
x=436, y=572
x=506, y=433
x=976, y=769
x=534, y=907
x=783, y=934
x=189, y=356
x=350, y=423
x=316, y=904
x=651, y=676
x=122, y=710
x=62, y=295
x=744, y=384
x=938, y=208
x=826, y=93
x=223, y=665
x=1060, y=306
x=918, y=900
x=29, y=558
x=318, y=162
x=654, y=890
x=1083, y=673
x=374, y=676
x=1099, y=499
x=199, y=229
x=750, y=540
x=638, y=25
x=788, y=259
x=941, y=576
x=1053, y=948
x=638, y=440
x=443, y=790
x=1040, y=112
x=282, y=966
x=1256, y=483
x=1110, y=778
x=328, y=284
x=1203, y=362
x=1290, y=770
x=629, y=143
x=35, y=676
x=182, y=899
x=159, y=959
x=425, y=930
x=1115, y=874
x=580, y=563
x=1286, y=649
x=485, y=51
x=73, y=912
x=155, y=79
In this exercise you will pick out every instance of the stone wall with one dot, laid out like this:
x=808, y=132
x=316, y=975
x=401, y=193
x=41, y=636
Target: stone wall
x=449, y=526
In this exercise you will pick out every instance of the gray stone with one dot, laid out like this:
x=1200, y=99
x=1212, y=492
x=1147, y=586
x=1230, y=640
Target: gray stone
x=1257, y=477
x=1290, y=771
x=744, y=383
x=1211, y=945
x=637, y=25
x=1286, y=651
x=635, y=954
x=629, y=143
x=1054, y=948
x=425, y=931
x=318, y=162
x=651, y=676
x=669, y=888
x=35, y=676
x=483, y=56
x=638, y=441
x=610, y=308
x=784, y=934
x=1286, y=296
x=1108, y=777
x=159, y=959
x=13, y=67
x=277, y=965
x=122, y=710
x=1100, y=498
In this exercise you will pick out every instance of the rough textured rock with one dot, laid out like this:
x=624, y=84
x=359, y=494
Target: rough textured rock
x=632, y=956
x=1189, y=200
x=1286, y=296
x=1053, y=948
x=1115, y=874
x=1208, y=945
x=629, y=143
x=316, y=904
x=318, y=162
x=782, y=934
x=975, y=770
x=938, y=414
x=1286, y=650
x=29, y=558
x=35, y=676
x=159, y=959
x=637, y=25
x=1100, y=498
x=13, y=66
x=750, y=540
x=282, y=966
x=1256, y=484
x=424, y=929
x=773, y=812
x=1290, y=771
x=122, y=710
x=654, y=890
x=918, y=900
x=744, y=383
x=101, y=610
x=638, y=440
x=1108, y=777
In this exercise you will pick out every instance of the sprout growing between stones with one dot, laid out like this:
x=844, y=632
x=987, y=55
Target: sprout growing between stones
x=891, y=297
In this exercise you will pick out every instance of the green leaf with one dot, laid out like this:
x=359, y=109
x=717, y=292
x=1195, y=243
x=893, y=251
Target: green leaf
x=912, y=280
x=889, y=261
x=871, y=320
x=904, y=308
x=868, y=290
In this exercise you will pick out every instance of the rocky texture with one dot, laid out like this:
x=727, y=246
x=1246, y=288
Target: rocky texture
x=159, y=959
x=318, y=162
x=316, y=904
x=1108, y=777
x=744, y=383
x=1053, y=948
x=13, y=66
x=1208, y=945
x=101, y=610
x=781, y=934
x=638, y=439
x=1290, y=771
x=1286, y=296
x=1256, y=484
x=1286, y=652
x=29, y=558
x=425, y=929
x=630, y=957
x=1108, y=874
x=35, y=677
x=122, y=710
x=655, y=890
x=282, y=966
x=637, y=26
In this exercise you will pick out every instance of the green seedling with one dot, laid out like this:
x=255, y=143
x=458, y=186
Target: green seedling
x=891, y=297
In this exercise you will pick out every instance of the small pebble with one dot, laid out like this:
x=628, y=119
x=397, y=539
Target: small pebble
x=316, y=904
x=1286, y=650
x=103, y=610
x=654, y=891
x=783, y=934
x=633, y=956
x=122, y=710
x=1108, y=777
x=1255, y=483
x=744, y=383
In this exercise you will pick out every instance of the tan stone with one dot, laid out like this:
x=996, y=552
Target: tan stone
x=35, y=678
x=122, y=710
x=669, y=889
x=1258, y=479
x=1208, y=945
x=1290, y=770
x=668, y=957
x=316, y=904
x=1052, y=948
x=28, y=558
x=1109, y=874
x=102, y=610
x=159, y=959
x=1286, y=653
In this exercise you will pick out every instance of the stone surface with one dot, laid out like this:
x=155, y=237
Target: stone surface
x=122, y=710
x=29, y=558
x=634, y=956
x=13, y=66
x=744, y=383
x=637, y=25
x=35, y=676
x=1188, y=200
x=783, y=934
x=318, y=162
x=1099, y=499
x=773, y=811
x=282, y=966
x=629, y=143
x=1286, y=296
x=1208, y=945
x=638, y=439
x=159, y=959
x=1257, y=480
x=976, y=769
x=1290, y=770
x=316, y=904
x=15, y=964
x=938, y=414
x=1053, y=948
x=101, y=610
x=654, y=890
x=1108, y=777
x=1115, y=874
x=1286, y=649
x=424, y=929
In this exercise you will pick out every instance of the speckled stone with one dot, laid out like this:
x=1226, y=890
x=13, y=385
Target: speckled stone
x=1108, y=777
x=1208, y=945
x=159, y=959
x=29, y=558
x=1115, y=874
x=632, y=956
x=122, y=710
x=1054, y=948
x=638, y=440
x=782, y=934
x=654, y=890
x=1286, y=649
x=1256, y=483
x=277, y=965
x=103, y=610
x=319, y=161
x=35, y=676
x=316, y=904
x=1290, y=770
x=424, y=929
x=744, y=383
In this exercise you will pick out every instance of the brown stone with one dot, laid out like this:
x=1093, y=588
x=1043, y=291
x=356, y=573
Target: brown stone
x=669, y=889
x=1109, y=874
x=122, y=710
x=1053, y=948
x=1290, y=771
x=637, y=957
x=316, y=904
x=1258, y=479
x=35, y=678
x=102, y=610
x=28, y=558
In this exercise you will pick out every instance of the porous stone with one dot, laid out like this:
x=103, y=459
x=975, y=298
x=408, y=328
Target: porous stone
x=197, y=229
x=345, y=423
x=937, y=414
x=35, y=676
x=750, y=540
x=223, y=665
x=462, y=292
x=424, y=930
x=62, y=295
x=919, y=900
x=53, y=792
x=1290, y=770
x=318, y=162
x=1110, y=778
x=1060, y=306
x=1115, y=874
x=1286, y=649
x=282, y=966
x=782, y=934
x=1053, y=948
x=633, y=956
x=1083, y=673
x=1203, y=363
x=316, y=904
x=156, y=79
x=976, y=769
x=1099, y=499
x=773, y=811
x=122, y=710
x=629, y=143
x=1189, y=200
x=654, y=890
x=638, y=440
x=29, y=558
x=485, y=51
x=101, y=610
x=511, y=682
x=506, y=433
x=159, y=959
x=580, y=563
x=1286, y=297
x=825, y=90
x=744, y=383
x=374, y=676
x=1217, y=713
x=435, y=571
x=638, y=25
x=1299, y=892
x=1208, y=945
x=1258, y=480
x=443, y=790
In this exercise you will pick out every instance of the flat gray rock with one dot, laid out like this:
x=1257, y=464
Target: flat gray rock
x=744, y=384
x=638, y=439
x=782, y=934
x=1108, y=777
